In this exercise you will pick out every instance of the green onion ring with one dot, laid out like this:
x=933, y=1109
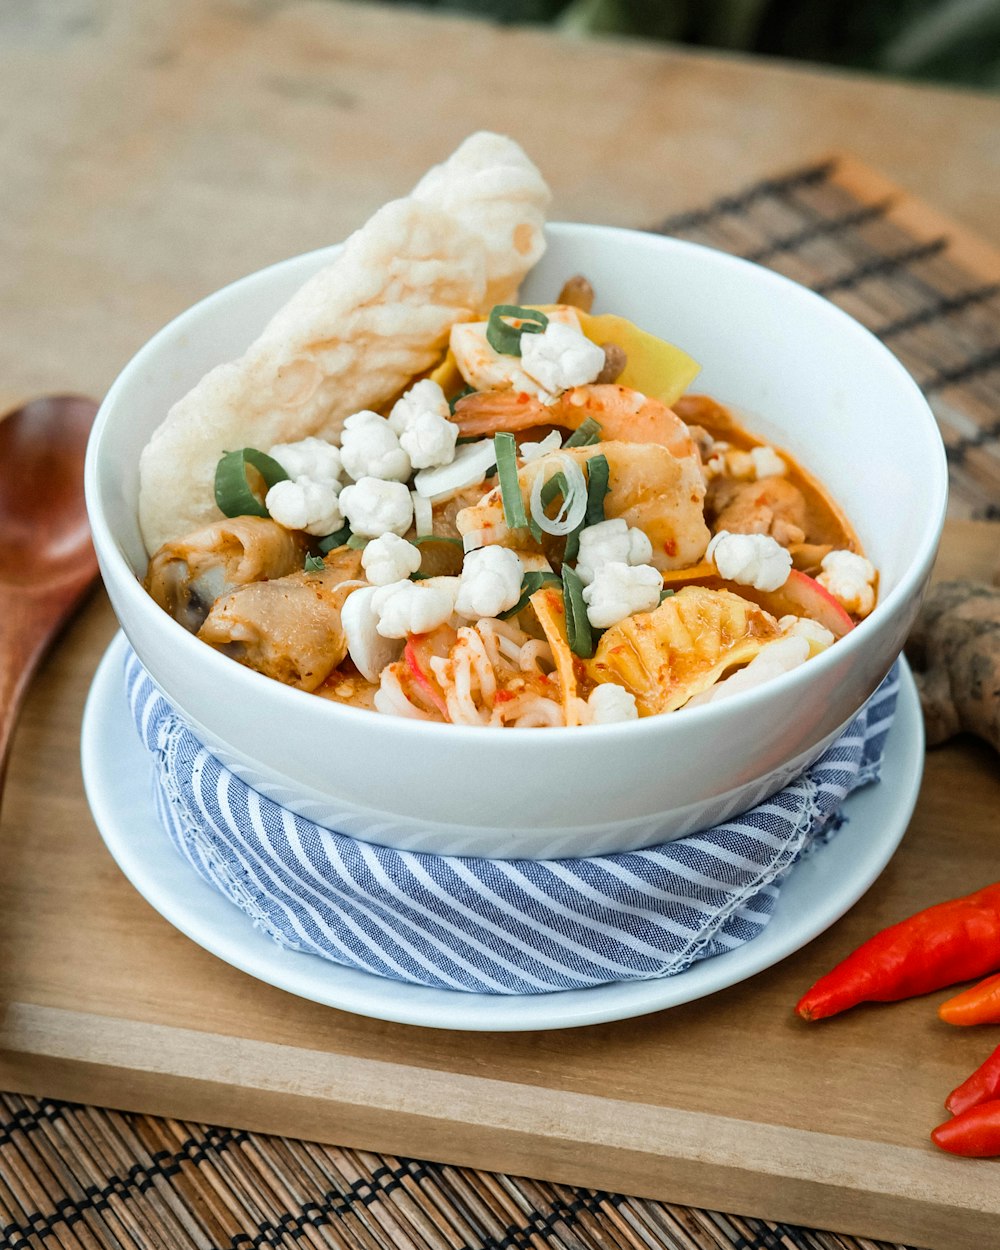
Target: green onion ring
x=574, y=504
x=510, y=487
x=506, y=339
x=233, y=492
x=313, y=564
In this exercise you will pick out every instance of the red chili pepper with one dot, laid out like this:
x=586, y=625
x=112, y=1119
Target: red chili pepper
x=978, y=1005
x=975, y=1133
x=982, y=1086
x=950, y=942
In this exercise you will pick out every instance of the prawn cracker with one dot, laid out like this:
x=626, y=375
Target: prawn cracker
x=359, y=330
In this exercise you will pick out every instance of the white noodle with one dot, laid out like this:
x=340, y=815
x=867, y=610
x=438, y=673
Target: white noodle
x=486, y=656
x=461, y=705
x=539, y=713
x=481, y=665
x=531, y=655
x=391, y=698
x=502, y=639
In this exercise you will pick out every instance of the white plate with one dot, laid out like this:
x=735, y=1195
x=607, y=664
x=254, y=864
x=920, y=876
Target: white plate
x=117, y=773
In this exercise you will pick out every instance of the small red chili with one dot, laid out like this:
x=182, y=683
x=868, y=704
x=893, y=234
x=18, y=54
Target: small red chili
x=982, y=1086
x=980, y=1004
x=975, y=1133
x=942, y=945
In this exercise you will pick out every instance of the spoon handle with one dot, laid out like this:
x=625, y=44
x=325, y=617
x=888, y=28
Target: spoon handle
x=28, y=622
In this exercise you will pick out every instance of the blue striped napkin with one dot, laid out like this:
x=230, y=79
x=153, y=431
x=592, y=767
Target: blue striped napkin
x=491, y=926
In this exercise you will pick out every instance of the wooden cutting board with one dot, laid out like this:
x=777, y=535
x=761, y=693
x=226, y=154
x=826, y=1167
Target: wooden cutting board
x=729, y=1102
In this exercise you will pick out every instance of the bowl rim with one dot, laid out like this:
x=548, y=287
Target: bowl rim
x=255, y=685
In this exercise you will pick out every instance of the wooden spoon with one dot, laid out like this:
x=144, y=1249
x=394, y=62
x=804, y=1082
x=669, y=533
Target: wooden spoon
x=46, y=558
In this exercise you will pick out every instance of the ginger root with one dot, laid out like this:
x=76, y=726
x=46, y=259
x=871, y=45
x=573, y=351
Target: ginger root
x=955, y=650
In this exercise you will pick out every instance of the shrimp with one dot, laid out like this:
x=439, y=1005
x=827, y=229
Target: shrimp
x=661, y=494
x=624, y=415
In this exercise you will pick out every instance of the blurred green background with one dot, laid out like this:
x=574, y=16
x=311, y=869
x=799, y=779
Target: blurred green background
x=955, y=41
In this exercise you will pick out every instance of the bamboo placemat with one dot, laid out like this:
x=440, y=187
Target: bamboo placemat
x=82, y=1177
x=928, y=289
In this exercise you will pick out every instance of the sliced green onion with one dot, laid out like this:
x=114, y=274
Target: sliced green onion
x=573, y=543
x=337, y=539
x=597, y=488
x=665, y=594
x=534, y=580
x=574, y=504
x=233, y=491
x=505, y=338
x=313, y=564
x=578, y=630
x=556, y=485
x=420, y=539
x=585, y=434
x=420, y=577
x=510, y=488
x=358, y=542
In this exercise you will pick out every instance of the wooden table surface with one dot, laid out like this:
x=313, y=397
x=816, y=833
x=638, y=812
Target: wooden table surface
x=150, y=153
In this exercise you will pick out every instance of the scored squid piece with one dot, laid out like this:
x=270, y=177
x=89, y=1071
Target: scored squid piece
x=683, y=647
x=660, y=493
x=291, y=628
x=187, y=576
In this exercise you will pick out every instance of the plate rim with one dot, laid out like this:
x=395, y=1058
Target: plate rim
x=126, y=820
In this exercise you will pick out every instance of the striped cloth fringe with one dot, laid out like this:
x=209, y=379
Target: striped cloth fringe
x=492, y=926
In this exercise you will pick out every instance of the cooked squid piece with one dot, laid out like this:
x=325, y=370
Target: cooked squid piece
x=682, y=647
x=187, y=576
x=289, y=629
x=660, y=493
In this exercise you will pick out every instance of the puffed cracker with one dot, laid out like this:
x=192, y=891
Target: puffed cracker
x=356, y=333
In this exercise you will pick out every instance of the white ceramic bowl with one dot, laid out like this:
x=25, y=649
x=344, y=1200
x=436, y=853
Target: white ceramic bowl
x=810, y=379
